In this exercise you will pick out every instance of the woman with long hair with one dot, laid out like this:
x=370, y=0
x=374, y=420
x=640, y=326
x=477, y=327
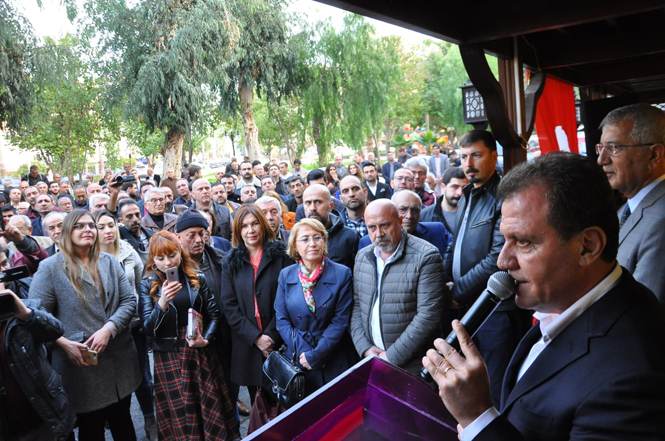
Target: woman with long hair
x=89, y=293
x=249, y=277
x=354, y=169
x=110, y=242
x=332, y=180
x=191, y=395
x=313, y=307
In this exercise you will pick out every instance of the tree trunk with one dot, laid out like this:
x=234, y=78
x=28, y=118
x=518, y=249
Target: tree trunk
x=388, y=133
x=320, y=148
x=246, y=93
x=377, y=151
x=173, y=153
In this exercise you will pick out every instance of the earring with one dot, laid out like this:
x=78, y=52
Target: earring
x=154, y=267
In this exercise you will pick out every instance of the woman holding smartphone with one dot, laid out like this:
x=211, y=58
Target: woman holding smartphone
x=89, y=293
x=191, y=396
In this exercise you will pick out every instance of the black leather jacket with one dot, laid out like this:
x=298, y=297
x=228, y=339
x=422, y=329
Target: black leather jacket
x=161, y=327
x=42, y=385
x=482, y=241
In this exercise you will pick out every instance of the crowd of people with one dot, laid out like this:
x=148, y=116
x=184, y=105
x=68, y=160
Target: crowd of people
x=338, y=264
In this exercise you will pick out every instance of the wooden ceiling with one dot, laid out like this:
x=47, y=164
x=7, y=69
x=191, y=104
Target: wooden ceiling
x=616, y=45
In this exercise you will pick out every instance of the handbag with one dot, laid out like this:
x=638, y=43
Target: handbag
x=287, y=380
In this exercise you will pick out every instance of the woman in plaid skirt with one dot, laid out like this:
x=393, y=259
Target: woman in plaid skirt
x=191, y=396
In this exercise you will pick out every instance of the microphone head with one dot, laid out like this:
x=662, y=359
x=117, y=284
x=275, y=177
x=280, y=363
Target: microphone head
x=501, y=284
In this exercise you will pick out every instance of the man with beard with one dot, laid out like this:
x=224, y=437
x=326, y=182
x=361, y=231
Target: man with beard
x=34, y=177
x=377, y=190
x=138, y=237
x=220, y=196
x=445, y=208
x=157, y=219
x=472, y=258
x=280, y=187
x=296, y=186
x=192, y=229
x=30, y=196
x=273, y=211
x=54, y=188
x=353, y=194
x=203, y=201
x=342, y=240
x=80, y=198
x=169, y=206
x=398, y=291
x=402, y=180
x=247, y=177
x=409, y=207
x=184, y=195
x=418, y=167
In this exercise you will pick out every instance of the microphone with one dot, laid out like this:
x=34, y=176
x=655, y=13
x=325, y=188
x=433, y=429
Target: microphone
x=500, y=286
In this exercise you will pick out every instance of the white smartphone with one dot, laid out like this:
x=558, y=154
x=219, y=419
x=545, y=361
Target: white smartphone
x=172, y=274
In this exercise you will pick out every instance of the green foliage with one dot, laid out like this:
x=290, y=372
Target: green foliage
x=64, y=124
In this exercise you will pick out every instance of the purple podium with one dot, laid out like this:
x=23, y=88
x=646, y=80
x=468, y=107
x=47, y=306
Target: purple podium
x=372, y=401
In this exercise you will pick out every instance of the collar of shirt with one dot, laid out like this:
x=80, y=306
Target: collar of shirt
x=552, y=324
x=635, y=200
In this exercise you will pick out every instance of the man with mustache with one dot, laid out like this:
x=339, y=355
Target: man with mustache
x=157, y=219
x=353, y=194
x=471, y=260
x=129, y=215
x=342, y=240
x=445, y=208
x=418, y=167
x=398, y=291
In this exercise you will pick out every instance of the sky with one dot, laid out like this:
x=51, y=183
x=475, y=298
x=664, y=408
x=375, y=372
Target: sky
x=51, y=20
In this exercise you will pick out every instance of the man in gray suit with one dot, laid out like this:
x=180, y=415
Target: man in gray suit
x=438, y=164
x=632, y=154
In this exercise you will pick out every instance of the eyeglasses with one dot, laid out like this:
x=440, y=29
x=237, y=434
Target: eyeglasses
x=613, y=149
x=83, y=226
x=316, y=238
x=403, y=178
x=404, y=210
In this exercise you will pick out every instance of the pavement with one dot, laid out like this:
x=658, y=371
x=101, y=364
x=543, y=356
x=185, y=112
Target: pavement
x=137, y=416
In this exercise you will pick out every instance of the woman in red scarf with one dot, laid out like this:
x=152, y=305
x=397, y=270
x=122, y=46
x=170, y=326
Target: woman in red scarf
x=313, y=307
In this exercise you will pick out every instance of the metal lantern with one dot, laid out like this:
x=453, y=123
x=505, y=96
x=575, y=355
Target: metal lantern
x=474, y=107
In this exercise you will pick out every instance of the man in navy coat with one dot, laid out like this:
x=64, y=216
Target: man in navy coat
x=593, y=367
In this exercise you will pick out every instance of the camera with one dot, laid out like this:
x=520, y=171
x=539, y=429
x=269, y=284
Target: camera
x=7, y=305
x=123, y=179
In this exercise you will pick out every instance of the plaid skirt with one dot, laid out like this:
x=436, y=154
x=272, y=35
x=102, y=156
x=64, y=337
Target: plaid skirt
x=191, y=397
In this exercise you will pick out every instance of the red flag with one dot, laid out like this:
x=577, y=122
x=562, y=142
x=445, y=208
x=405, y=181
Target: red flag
x=556, y=123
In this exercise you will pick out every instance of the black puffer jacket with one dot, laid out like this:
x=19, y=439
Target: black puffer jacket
x=161, y=326
x=42, y=385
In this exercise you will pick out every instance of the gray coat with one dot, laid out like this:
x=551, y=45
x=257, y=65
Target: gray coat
x=412, y=301
x=117, y=374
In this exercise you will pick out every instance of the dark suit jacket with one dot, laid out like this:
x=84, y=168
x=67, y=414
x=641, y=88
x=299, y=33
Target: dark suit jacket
x=602, y=378
x=322, y=336
x=383, y=191
x=386, y=170
x=37, y=227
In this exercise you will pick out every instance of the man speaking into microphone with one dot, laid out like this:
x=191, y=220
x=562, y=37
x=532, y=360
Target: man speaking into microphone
x=593, y=367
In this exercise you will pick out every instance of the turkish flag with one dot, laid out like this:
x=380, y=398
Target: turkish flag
x=556, y=123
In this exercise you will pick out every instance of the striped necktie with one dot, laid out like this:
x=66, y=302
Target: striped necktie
x=624, y=216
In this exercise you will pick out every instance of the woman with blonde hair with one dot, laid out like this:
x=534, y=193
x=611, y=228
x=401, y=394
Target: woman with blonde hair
x=313, y=307
x=191, y=396
x=89, y=293
x=110, y=242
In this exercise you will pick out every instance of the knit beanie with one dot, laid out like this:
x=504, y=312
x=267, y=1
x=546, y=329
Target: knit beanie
x=189, y=219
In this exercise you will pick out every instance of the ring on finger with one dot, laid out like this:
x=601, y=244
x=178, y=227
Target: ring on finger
x=445, y=371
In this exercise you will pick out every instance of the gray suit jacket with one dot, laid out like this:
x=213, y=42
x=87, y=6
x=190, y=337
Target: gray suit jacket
x=445, y=164
x=170, y=221
x=642, y=242
x=117, y=373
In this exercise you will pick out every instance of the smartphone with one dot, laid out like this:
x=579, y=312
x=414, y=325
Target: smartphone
x=89, y=356
x=172, y=274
